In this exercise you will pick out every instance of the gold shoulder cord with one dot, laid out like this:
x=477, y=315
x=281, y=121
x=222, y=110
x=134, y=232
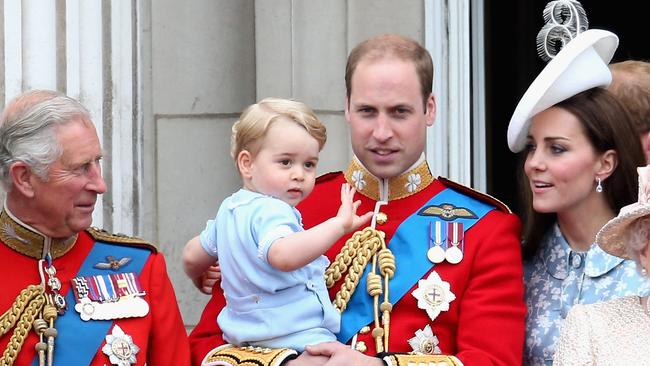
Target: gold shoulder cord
x=33, y=301
x=23, y=311
x=357, y=252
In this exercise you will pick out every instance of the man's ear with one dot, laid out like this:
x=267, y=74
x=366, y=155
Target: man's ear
x=431, y=110
x=347, y=109
x=21, y=178
x=244, y=162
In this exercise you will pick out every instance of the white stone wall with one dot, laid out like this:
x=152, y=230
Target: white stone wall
x=88, y=50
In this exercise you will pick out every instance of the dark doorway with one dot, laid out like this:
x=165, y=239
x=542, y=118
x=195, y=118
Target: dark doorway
x=511, y=27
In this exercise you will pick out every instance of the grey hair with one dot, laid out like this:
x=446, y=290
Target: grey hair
x=28, y=131
x=636, y=238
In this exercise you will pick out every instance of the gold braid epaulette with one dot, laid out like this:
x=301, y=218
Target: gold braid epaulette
x=120, y=239
x=229, y=355
x=421, y=360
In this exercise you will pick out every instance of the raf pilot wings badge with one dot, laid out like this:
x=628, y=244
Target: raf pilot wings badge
x=112, y=263
x=447, y=212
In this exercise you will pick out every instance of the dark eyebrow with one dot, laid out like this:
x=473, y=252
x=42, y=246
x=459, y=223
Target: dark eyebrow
x=556, y=138
x=549, y=138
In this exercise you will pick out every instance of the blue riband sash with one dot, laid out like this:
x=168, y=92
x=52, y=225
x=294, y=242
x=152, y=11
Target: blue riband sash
x=78, y=341
x=409, y=245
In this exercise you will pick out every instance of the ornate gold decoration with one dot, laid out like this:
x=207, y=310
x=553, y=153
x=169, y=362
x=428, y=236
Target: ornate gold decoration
x=404, y=185
x=103, y=235
x=228, y=354
x=27, y=241
x=421, y=360
x=381, y=218
x=483, y=197
x=358, y=251
x=21, y=314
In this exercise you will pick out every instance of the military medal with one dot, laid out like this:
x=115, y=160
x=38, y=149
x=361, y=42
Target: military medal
x=54, y=284
x=434, y=295
x=120, y=348
x=454, y=254
x=435, y=253
x=425, y=342
x=113, y=296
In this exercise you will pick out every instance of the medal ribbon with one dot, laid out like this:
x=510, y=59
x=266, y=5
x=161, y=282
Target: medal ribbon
x=410, y=257
x=78, y=341
x=106, y=288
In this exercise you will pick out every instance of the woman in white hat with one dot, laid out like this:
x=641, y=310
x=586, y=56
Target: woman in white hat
x=616, y=332
x=581, y=152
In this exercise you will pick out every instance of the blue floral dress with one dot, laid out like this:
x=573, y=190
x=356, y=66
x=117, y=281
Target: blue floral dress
x=558, y=278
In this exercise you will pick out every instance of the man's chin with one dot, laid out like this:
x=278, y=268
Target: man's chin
x=384, y=171
x=80, y=225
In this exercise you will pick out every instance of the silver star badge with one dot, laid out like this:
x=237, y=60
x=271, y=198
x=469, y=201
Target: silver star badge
x=434, y=295
x=425, y=342
x=120, y=348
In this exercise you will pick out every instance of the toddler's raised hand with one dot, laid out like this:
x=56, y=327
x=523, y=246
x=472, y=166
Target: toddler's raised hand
x=348, y=210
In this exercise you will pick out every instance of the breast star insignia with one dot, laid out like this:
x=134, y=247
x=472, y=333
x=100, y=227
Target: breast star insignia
x=434, y=295
x=112, y=263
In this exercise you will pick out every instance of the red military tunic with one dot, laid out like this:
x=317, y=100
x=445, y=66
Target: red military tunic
x=484, y=324
x=160, y=335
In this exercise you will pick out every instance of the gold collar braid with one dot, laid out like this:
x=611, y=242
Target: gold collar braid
x=406, y=184
x=27, y=241
x=358, y=251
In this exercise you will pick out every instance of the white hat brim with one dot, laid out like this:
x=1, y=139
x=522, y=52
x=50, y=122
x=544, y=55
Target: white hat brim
x=579, y=66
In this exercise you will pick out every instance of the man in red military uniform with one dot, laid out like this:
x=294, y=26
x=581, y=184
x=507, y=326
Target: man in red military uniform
x=73, y=295
x=438, y=276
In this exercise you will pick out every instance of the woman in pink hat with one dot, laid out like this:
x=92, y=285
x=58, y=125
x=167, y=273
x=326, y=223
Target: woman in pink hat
x=616, y=332
x=581, y=153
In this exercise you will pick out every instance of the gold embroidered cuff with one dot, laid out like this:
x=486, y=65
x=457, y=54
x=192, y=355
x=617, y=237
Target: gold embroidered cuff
x=229, y=355
x=421, y=360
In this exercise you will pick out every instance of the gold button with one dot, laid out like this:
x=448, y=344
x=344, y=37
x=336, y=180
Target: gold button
x=361, y=346
x=381, y=218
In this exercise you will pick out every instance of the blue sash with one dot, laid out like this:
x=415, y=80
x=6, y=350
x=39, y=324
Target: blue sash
x=408, y=244
x=78, y=341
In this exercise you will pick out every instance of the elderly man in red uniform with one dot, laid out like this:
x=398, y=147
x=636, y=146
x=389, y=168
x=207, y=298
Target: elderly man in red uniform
x=437, y=278
x=71, y=294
